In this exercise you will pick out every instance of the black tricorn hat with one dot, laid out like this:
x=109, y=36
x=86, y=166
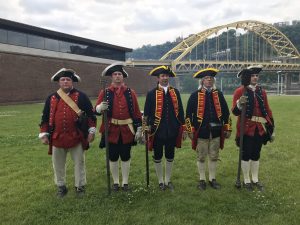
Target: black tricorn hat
x=250, y=70
x=162, y=70
x=212, y=72
x=113, y=68
x=63, y=72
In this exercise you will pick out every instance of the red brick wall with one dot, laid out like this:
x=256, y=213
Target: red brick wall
x=25, y=78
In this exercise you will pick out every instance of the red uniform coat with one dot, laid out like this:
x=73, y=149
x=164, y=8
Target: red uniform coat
x=60, y=120
x=120, y=111
x=252, y=109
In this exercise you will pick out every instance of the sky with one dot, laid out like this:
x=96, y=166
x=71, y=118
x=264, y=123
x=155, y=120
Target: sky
x=134, y=23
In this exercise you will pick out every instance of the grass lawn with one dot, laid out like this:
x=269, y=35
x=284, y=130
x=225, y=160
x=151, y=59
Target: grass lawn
x=28, y=192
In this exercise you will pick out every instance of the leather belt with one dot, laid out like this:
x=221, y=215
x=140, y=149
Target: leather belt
x=124, y=122
x=121, y=122
x=258, y=119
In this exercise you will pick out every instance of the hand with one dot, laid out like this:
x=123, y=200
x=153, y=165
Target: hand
x=227, y=134
x=91, y=137
x=243, y=99
x=138, y=135
x=101, y=107
x=191, y=136
x=45, y=140
x=272, y=138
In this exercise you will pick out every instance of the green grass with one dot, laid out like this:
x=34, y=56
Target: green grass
x=27, y=193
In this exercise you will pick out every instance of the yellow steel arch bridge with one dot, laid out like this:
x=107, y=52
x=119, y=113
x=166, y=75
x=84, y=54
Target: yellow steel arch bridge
x=231, y=47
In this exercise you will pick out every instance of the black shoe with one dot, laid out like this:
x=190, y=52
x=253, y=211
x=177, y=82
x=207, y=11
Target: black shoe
x=62, y=191
x=214, y=184
x=115, y=187
x=125, y=187
x=259, y=186
x=248, y=186
x=162, y=186
x=80, y=191
x=202, y=185
x=170, y=186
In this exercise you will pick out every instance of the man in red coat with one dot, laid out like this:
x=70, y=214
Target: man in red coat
x=259, y=123
x=59, y=129
x=124, y=118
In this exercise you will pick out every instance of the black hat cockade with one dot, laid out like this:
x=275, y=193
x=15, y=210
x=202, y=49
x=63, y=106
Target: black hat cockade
x=245, y=74
x=63, y=72
x=108, y=71
x=211, y=72
x=162, y=70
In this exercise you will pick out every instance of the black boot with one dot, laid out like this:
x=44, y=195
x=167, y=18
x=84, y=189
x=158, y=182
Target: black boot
x=80, y=191
x=61, y=191
x=202, y=185
x=214, y=184
x=162, y=186
x=259, y=186
x=248, y=186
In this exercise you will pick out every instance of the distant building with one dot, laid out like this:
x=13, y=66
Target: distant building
x=295, y=22
x=30, y=55
x=282, y=24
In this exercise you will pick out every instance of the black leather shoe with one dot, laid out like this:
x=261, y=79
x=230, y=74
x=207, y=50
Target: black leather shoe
x=162, y=186
x=170, y=186
x=202, y=185
x=259, y=186
x=115, y=187
x=214, y=184
x=61, y=191
x=80, y=191
x=248, y=186
x=125, y=187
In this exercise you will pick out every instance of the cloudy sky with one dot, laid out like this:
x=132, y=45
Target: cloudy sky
x=133, y=23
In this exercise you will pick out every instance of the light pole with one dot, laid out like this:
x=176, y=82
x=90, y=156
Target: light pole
x=278, y=81
x=281, y=86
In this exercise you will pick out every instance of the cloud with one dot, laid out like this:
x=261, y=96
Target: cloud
x=147, y=21
x=45, y=6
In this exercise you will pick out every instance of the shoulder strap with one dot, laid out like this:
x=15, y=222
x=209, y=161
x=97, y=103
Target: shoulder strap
x=69, y=101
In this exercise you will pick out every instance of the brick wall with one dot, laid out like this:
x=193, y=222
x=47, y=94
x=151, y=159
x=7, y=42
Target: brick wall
x=26, y=78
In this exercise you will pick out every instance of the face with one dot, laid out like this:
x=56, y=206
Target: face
x=254, y=79
x=117, y=78
x=163, y=79
x=208, y=81
x=66, y=84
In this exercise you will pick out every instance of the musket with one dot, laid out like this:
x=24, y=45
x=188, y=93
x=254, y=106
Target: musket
x=105, y=120
x=241, y=143
x=145, y=129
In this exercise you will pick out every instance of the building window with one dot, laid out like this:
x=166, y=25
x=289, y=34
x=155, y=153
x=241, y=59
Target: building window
x=3, y=36
x=16, y=38
x=36, y=42
x=51, y=44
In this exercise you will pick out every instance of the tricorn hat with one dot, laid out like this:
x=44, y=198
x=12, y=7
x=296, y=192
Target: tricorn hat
x=211, y=72
x=63, y=72
x=250, y=70
x=162, y=70
x=113, y=68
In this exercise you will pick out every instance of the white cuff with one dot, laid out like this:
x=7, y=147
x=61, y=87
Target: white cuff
x=41, y=135
x=98, y=109
x=239, y=105
x=92, y=130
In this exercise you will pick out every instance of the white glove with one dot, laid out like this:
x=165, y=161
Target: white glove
x=138, y=135
x=101, y=107
x=272, y=137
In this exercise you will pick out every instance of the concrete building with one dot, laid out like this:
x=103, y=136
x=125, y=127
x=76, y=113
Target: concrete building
x=30, y=55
